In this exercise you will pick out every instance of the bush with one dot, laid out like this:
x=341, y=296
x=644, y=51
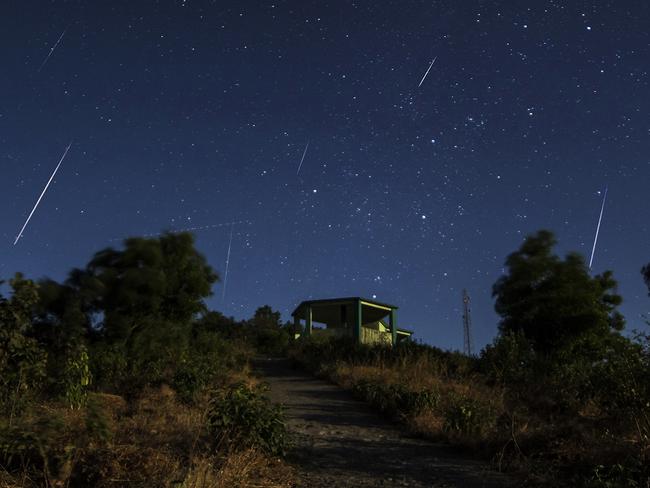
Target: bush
x=396, y=399
x=47, y=443
x=468, y=416
x=207, y=364
x=76, y=378
x=244, y=417
x=22, y=360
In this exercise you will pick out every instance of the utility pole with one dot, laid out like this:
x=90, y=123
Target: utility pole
x=467, y=325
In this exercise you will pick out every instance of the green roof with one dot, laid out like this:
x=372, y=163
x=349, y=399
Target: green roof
x=327, y=301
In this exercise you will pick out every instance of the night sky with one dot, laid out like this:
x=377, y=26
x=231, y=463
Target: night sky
x=188, y=114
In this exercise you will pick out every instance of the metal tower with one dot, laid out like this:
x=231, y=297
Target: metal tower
x=467, y=326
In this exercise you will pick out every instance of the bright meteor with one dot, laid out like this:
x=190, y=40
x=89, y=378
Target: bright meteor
x=429, y=69
x=303, y=158
x=47, y=58
x=225, y=277
x=600, y=218
x=20, y=234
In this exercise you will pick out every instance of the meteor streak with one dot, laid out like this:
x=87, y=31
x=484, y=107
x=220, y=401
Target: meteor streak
x=303, y=158
x=52, y=50
x=600, y=218
x=20, y=234
x=429, y=69
x=187, y=229
x=225, y=276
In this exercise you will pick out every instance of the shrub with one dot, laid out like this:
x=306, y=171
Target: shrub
x=76, y=378
x=108, y=365
x=244, y=417
x=395, y=399
x=468, y=416
x=22, y=360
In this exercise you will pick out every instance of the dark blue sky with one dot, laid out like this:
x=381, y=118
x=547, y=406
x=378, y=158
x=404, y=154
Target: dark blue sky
x=194, y=114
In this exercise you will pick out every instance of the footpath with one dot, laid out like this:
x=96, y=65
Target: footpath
x=342, y=442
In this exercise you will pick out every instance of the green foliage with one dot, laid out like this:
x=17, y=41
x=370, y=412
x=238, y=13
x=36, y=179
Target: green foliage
x=209, y=360
x=108, y=364
x=77, y=377
x=267, y=334
x=396, y=399
x=265, y=317
x=47, y=444
x=509, y=360
x=216, y=322
x=468, y=416
x=137, y=306
x=96, y=423
x=22, y=360
x=148, y=284
x=244, y=417
x=553, y=301
x=621, y=384
x=315, y=354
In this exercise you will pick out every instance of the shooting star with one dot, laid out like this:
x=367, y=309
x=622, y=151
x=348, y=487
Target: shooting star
x=429, y=69
x=304, y=153
x=187, y=229
x=52, y=50
x=600, y=218
x=20, y=234
x=225, y=276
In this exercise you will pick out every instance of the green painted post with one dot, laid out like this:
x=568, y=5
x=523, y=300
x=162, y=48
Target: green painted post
x=308, y=320
x=393, y=325
x=296, y=325
x=357, y=328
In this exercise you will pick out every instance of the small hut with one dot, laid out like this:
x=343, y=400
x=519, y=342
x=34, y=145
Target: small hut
x=368, y=321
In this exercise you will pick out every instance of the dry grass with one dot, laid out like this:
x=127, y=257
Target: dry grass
x=427, y=424
x=154, y=441
x=246, y=469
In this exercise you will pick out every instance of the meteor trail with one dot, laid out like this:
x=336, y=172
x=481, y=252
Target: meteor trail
x=225, y=276
x=42, y=193
x=52, y=50
x=429, y=69
x=600, y=218
x=187, y=229
x=303, y=158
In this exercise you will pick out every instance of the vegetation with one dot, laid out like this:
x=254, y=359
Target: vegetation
x=121, y=376
x=243, y=417
x=554, y=302
x=560, y=394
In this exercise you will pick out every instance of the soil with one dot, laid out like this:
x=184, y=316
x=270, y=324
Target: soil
x=342, y=442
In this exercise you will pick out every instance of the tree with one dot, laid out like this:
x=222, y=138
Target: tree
x=139, y=303
x=267, y=333
x=150, y=281
x=645, y=271
x=62, y=327
x=22, y=360
x=555, y=302
x=267, y=318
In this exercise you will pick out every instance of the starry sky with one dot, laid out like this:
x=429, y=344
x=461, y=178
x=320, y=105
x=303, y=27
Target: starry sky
x=309, y=124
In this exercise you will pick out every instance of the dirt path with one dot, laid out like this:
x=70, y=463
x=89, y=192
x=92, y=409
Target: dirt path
x=341, y=442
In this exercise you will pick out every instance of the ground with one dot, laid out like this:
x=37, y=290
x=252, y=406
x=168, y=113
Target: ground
x=341, y=442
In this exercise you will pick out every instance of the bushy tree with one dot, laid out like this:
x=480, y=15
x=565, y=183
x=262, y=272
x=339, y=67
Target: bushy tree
x=553, y=301
x=267, y=333
x=22, y=360
x=266, y=317
x=62, y=328
x=160, y=278
x=139, y=302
